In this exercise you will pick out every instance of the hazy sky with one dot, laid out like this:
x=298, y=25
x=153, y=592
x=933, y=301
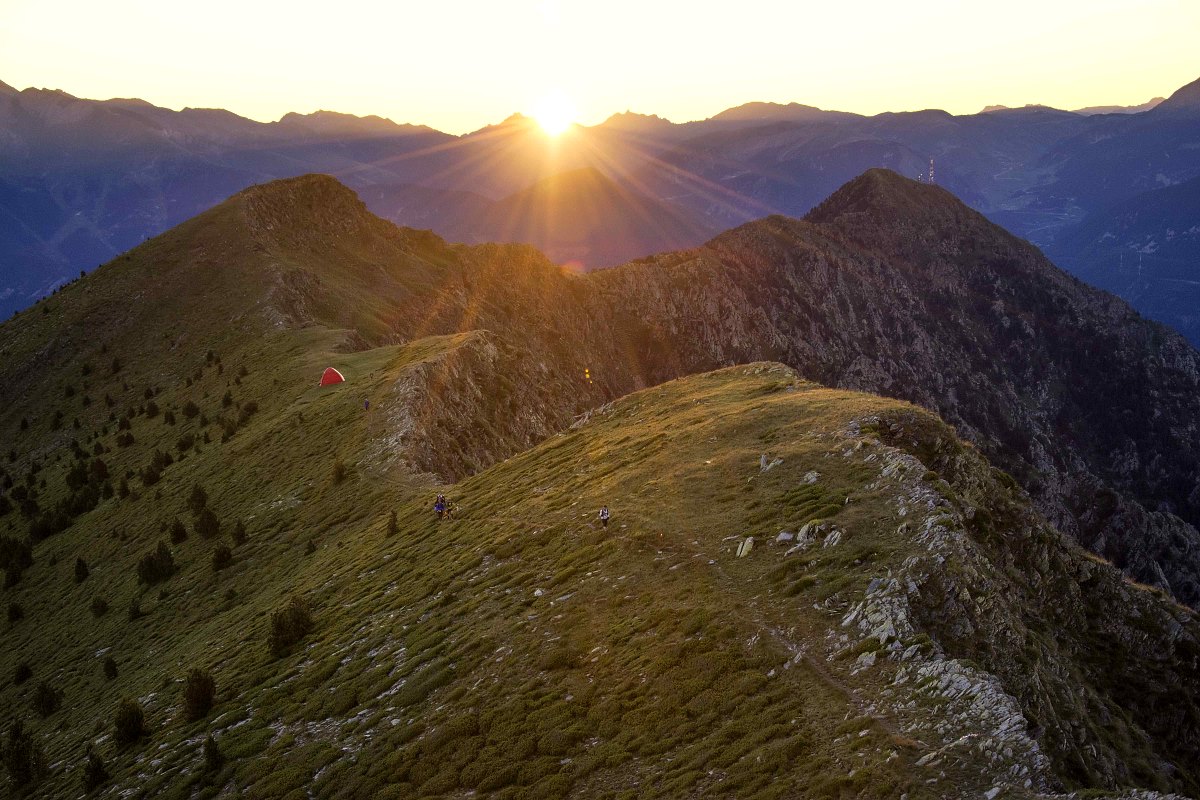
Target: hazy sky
x=460, y=64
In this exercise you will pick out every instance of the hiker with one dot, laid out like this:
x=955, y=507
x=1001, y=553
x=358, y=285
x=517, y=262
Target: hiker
x=366, y=405
x=604, y=516
x=450, y=509
x=439, y=505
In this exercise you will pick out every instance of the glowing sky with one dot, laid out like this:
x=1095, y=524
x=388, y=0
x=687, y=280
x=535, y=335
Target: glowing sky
x=460, y=64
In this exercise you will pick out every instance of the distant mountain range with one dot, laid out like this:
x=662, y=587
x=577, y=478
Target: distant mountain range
x=83, y=180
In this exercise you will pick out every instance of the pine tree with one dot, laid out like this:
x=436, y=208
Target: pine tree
x=93, y=775
x=198, y=692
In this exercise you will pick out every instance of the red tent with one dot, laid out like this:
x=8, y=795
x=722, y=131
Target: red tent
x=331, y=376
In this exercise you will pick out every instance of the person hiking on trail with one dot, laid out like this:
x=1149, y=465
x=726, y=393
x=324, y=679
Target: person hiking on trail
x=439, y=505
x=450, y=509
x=604, y=516
x=366, y=405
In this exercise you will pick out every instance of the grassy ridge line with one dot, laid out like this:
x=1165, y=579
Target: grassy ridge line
x=533, y=536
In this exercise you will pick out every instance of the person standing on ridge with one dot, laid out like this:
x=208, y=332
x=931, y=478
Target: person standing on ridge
x=604, y=516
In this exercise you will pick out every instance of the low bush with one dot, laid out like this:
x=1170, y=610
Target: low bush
x=289, y=625
x=93, y=775
x=156, y=566
x=129, y=723
x=214, y=759
x=207, y=524
x=197, y=499
x=198, y=692
x=222, y=557
x=46, y=699
x=23, y=757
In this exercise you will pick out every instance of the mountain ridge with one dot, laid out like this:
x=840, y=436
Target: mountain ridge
x=1038, y=172
x=906, y=622
x=989, y=304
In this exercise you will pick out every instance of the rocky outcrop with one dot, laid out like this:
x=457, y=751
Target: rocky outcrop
x=1043, y=662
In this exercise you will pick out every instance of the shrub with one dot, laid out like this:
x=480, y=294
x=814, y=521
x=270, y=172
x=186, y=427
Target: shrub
x=116, y=365
x=239, y=534
x=207, y=525
x=23, y=756
x=129, y=723
x=93, y=775
x=248, y=410
x=191, y=410
x=289, y=625
x=151, y=408
x=150, y=476
x=99, y=606
x=46, y=699
x=156, y=566
x=222, y=557
x=179, y=533
x=22, y=673
x=135, y=609
x=392, y=526
x=110, y=668
x=227, y=400
x=169, y=417
x=197, y=500
x=339, y=471
x=198, y=692
x=185, y=442
x=15, y=612
x=98, y=470
x=81, y=570
x=214, y=759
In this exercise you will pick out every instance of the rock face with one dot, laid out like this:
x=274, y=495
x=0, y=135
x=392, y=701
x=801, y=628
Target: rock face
x=1013, y=579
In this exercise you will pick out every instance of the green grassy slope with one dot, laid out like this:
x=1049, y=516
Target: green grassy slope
x=522, y=649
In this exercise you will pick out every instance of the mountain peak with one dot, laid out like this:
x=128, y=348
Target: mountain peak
x=337, y=122
x=6, y=89
x=1186, y=100
x=760, y=111
x=880, y=192
x=632, y=119
x=303, y=206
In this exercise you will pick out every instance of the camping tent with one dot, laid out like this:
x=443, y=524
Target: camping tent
x=331, y=376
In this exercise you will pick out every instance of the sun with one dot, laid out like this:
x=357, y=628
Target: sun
x=555, y=113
